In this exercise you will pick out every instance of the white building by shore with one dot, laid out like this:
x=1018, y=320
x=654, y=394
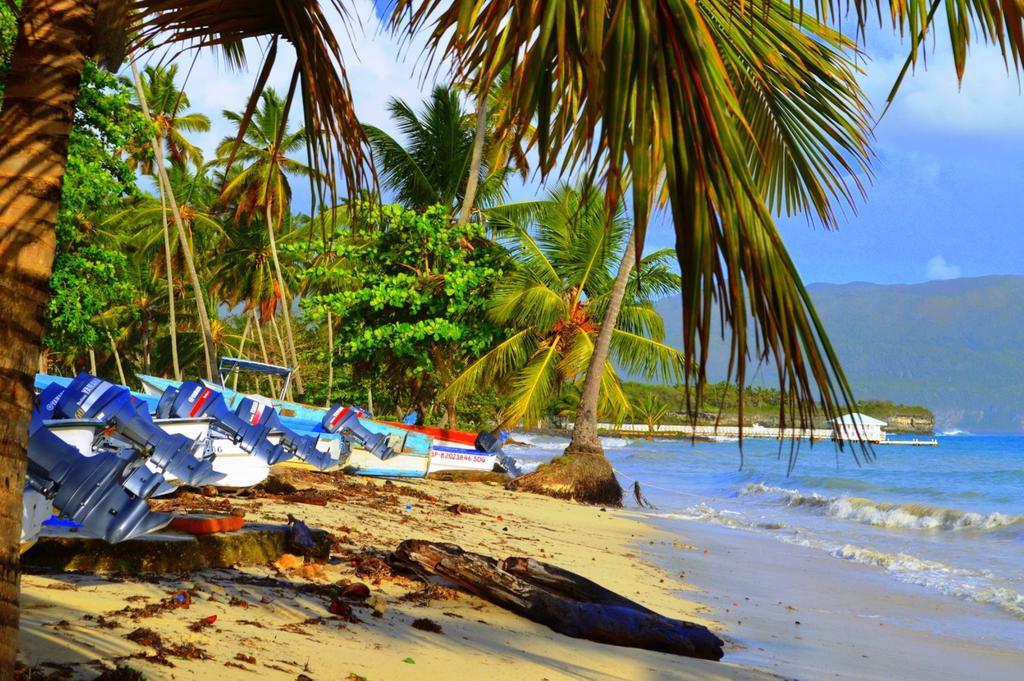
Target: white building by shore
x=858, y=426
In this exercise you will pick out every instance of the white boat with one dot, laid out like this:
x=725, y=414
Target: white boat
x=453, y=450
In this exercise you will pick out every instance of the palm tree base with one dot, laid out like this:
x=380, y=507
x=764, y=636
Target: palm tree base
x=583, y=476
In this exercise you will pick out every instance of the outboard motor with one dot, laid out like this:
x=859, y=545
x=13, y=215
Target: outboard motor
x=89, y=490
x=192, y=399
x=94, y=398
x=302, y=446
x=340, y=418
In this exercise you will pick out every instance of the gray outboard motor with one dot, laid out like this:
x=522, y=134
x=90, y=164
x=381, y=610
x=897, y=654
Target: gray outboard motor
x=193, y=399
x=302, y=446
x=340, y=418
x=94, y=398
x=89, y=490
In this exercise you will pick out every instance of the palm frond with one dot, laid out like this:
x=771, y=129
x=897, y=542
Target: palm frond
x=614, y=402
x=522, y=299
x=399, y=172
x=647, y=357
x=643, y=320
x=533, y=388
x=655, y=93
x=494, y=366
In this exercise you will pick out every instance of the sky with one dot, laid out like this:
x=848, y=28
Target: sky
x=945, y=199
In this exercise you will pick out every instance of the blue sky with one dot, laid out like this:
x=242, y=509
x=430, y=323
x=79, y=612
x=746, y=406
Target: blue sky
x=945, y=201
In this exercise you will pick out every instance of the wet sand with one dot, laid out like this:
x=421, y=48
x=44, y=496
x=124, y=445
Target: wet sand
x=802, y=613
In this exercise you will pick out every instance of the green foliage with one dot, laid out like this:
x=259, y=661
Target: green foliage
x=431, y=164
x=566, y=251
x=90, y=274
x=408, y=299
x=86, y=282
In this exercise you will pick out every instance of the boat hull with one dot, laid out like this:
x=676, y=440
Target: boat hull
x=413, y=460
x=453, y=450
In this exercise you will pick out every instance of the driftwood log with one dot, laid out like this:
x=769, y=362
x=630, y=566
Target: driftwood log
x=562, y=600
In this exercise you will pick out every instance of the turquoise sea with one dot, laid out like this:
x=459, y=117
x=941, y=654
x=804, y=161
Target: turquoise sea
x=948, y=519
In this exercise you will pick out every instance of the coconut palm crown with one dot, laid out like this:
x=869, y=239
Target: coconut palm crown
x=431, y=164
x=567, y=249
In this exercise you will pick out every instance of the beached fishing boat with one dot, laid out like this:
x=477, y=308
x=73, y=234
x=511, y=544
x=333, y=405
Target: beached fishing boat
x=237, y=468
x=449, y=449
x=453, y=450
x=414, y=449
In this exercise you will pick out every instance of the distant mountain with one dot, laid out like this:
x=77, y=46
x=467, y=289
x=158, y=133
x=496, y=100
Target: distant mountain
x=956, y=346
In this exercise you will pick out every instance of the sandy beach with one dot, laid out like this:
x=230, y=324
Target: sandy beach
x=273, y=621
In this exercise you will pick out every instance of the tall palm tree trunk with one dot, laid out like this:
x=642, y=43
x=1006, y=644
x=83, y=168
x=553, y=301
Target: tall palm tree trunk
x=117, y=354
x=241, y=350
x=186, y=247
x=583, y=473
x=280, y=345
x=172, y=323
x=38, y=110
x=330, y=357
x=473, y=182
x=584, y=430
x=263, y=351
x=286, y=301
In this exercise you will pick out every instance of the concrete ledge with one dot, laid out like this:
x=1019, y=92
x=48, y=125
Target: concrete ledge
x=166, y=552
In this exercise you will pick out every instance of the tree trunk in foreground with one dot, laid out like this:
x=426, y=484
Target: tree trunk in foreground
x=286, y=304
x=583, y=473
x=38, y=111
x=564, y=601
x=172, y=322
x=186, y=245
x=473, y=182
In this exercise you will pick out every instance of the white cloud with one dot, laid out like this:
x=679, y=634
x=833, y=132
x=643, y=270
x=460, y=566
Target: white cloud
x=930, y=99
x=938, y=268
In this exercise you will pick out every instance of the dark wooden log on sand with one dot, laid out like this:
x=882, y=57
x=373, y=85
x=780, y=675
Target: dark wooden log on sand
x=562, y=600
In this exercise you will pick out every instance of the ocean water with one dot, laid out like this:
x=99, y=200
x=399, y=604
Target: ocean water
x=947, y=518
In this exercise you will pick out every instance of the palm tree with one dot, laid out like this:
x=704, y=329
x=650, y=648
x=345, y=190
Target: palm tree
x=157, y=91
x=553, y=302
x=432, y=165
x=501, y=153
x=652, y=412
x=261, y=188
x=141, y=226
x=167, y=194
x=168, y=107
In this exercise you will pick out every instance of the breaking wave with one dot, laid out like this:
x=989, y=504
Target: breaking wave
x=973, y=585
x=890, y=515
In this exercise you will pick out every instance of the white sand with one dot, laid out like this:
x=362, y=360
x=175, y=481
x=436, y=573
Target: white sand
x=278, y=627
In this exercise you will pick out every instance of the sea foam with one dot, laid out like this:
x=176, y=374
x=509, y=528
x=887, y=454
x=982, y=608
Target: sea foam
x=973, y=585
x=886, y=514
